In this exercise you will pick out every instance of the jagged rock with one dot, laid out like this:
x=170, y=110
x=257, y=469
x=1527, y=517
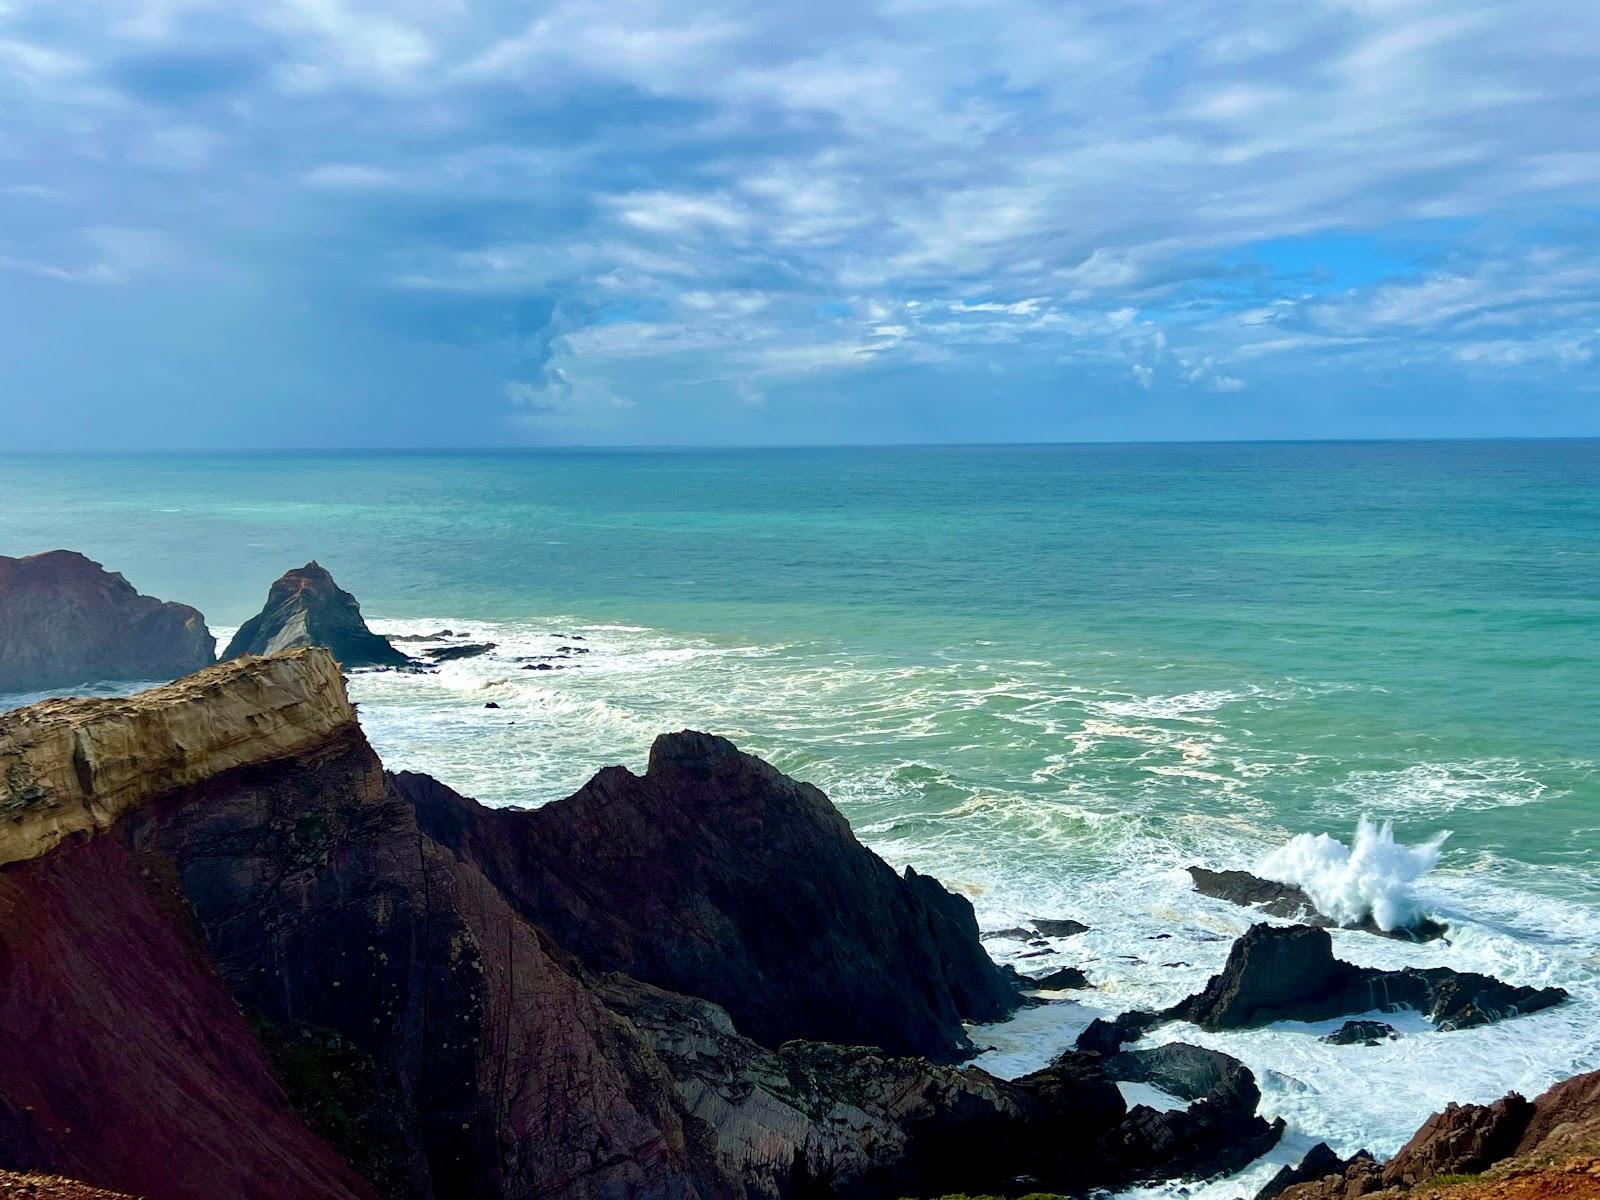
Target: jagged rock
x=1277, y=973
x=422, y=637
x=1061, y=979
x=492, y=704
x=66, y=620
x=1059, y=927
x=1292, y=903
x=1512, y=1137
x=1319, y=1163
x=441, y=654
x=716, y=875
x=1107, y=1037
x=306, y=608
x=471, y=1055
x=1360, y=1033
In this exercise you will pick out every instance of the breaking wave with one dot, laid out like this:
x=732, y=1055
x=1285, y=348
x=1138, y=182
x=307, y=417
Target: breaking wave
x=1372, y=877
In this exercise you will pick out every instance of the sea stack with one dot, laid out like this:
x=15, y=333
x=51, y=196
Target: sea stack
x=66, y=620
x=305, y=607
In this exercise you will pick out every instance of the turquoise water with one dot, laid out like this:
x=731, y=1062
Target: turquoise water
x=1053, y=675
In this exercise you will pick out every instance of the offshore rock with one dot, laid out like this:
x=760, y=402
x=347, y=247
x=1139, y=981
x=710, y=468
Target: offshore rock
x=66, y=620
x=716, y=875
x=306, y=608
x=1278, y=973
x=1286, y=900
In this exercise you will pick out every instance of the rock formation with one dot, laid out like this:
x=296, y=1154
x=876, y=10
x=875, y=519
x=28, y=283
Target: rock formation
x=1512, y=1138
x=715, y=874
x=1289, y=973
x=271, y=969
x=1277, y=973
x=306, y=608
x=1285, y=900
x=65, y=620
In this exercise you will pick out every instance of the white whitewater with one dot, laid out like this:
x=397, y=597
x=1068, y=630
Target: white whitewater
x=1372, y=877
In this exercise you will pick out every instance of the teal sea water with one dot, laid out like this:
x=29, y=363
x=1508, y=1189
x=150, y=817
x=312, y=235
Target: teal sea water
x=1052, y=675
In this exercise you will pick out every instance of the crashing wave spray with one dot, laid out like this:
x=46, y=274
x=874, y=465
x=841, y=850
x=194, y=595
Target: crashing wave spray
x=1372, y=878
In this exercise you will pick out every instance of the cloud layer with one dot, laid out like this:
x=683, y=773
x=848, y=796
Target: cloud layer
x=319, y=222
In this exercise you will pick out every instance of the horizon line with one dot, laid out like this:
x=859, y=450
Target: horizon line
x=706, y=446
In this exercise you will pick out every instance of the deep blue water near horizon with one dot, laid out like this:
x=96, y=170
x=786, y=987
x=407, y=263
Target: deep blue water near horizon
x=1051, y=674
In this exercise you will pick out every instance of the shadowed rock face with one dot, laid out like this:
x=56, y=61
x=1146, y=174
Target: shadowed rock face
x=716, y=875
x=306, y=608
x=66, y=620
x=292, y=925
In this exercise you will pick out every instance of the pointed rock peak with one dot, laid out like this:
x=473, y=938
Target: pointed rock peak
x=305, y=607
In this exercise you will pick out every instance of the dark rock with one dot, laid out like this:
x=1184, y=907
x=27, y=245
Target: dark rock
x=716, y=875
x=1107, y=1037
x=1061, y=979
x=306, y=608
x=1059, y=927
x=65, y=620
x=422, y=637
x=540, y=667
x=491, y=704
x=1277, y=973
x=1319, y=1163
x=1290, y=902
x=1360, y=1033
x=572, y=649
x=440, y=654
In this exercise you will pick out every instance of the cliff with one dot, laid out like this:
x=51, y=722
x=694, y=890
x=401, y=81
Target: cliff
x=305, y=607
x=76, y=765
x=239, y=959
x=65, y=620
x=717, y=875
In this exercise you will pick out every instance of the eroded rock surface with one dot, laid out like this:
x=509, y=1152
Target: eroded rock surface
x=66, y=620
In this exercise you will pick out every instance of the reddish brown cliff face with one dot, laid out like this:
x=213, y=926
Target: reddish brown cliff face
x=65, y=620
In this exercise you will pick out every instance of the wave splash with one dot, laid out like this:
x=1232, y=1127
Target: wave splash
x=1372, y=877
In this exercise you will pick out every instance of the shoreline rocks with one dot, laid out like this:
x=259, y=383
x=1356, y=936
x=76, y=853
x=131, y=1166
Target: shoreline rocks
x=66, y=620
x=305, y=607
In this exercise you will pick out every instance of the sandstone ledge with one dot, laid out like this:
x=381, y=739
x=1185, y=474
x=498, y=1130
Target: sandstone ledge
x=76, y=765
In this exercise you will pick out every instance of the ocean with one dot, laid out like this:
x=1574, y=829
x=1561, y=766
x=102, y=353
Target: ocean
x=1053, y=676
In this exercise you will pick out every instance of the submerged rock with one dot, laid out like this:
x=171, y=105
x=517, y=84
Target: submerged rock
x=1292, y=903
x=1061, y=979
x=1360, y=1033
x=66, y=620
x=306, y=608
x=441, y=654
x=1059, y=927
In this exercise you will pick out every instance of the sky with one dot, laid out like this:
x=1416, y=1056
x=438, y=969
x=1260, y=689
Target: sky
x=323, y=223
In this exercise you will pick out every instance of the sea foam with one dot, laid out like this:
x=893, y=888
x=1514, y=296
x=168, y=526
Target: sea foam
x=1373, y=877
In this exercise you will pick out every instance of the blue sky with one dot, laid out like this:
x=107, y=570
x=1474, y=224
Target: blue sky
x=327, y=223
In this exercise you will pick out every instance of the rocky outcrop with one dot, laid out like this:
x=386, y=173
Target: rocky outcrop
x=1275, y=899
x=305, y=607
x=1511, y=1139
x=716, y=875
x=74, y=766
x=1360, y=1033
x=259, y=973
x=66, y=620
x=1278, y=973
x=1320, y=1162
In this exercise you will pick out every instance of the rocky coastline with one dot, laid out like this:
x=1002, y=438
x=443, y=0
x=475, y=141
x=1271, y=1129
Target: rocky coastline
x=240, y=958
